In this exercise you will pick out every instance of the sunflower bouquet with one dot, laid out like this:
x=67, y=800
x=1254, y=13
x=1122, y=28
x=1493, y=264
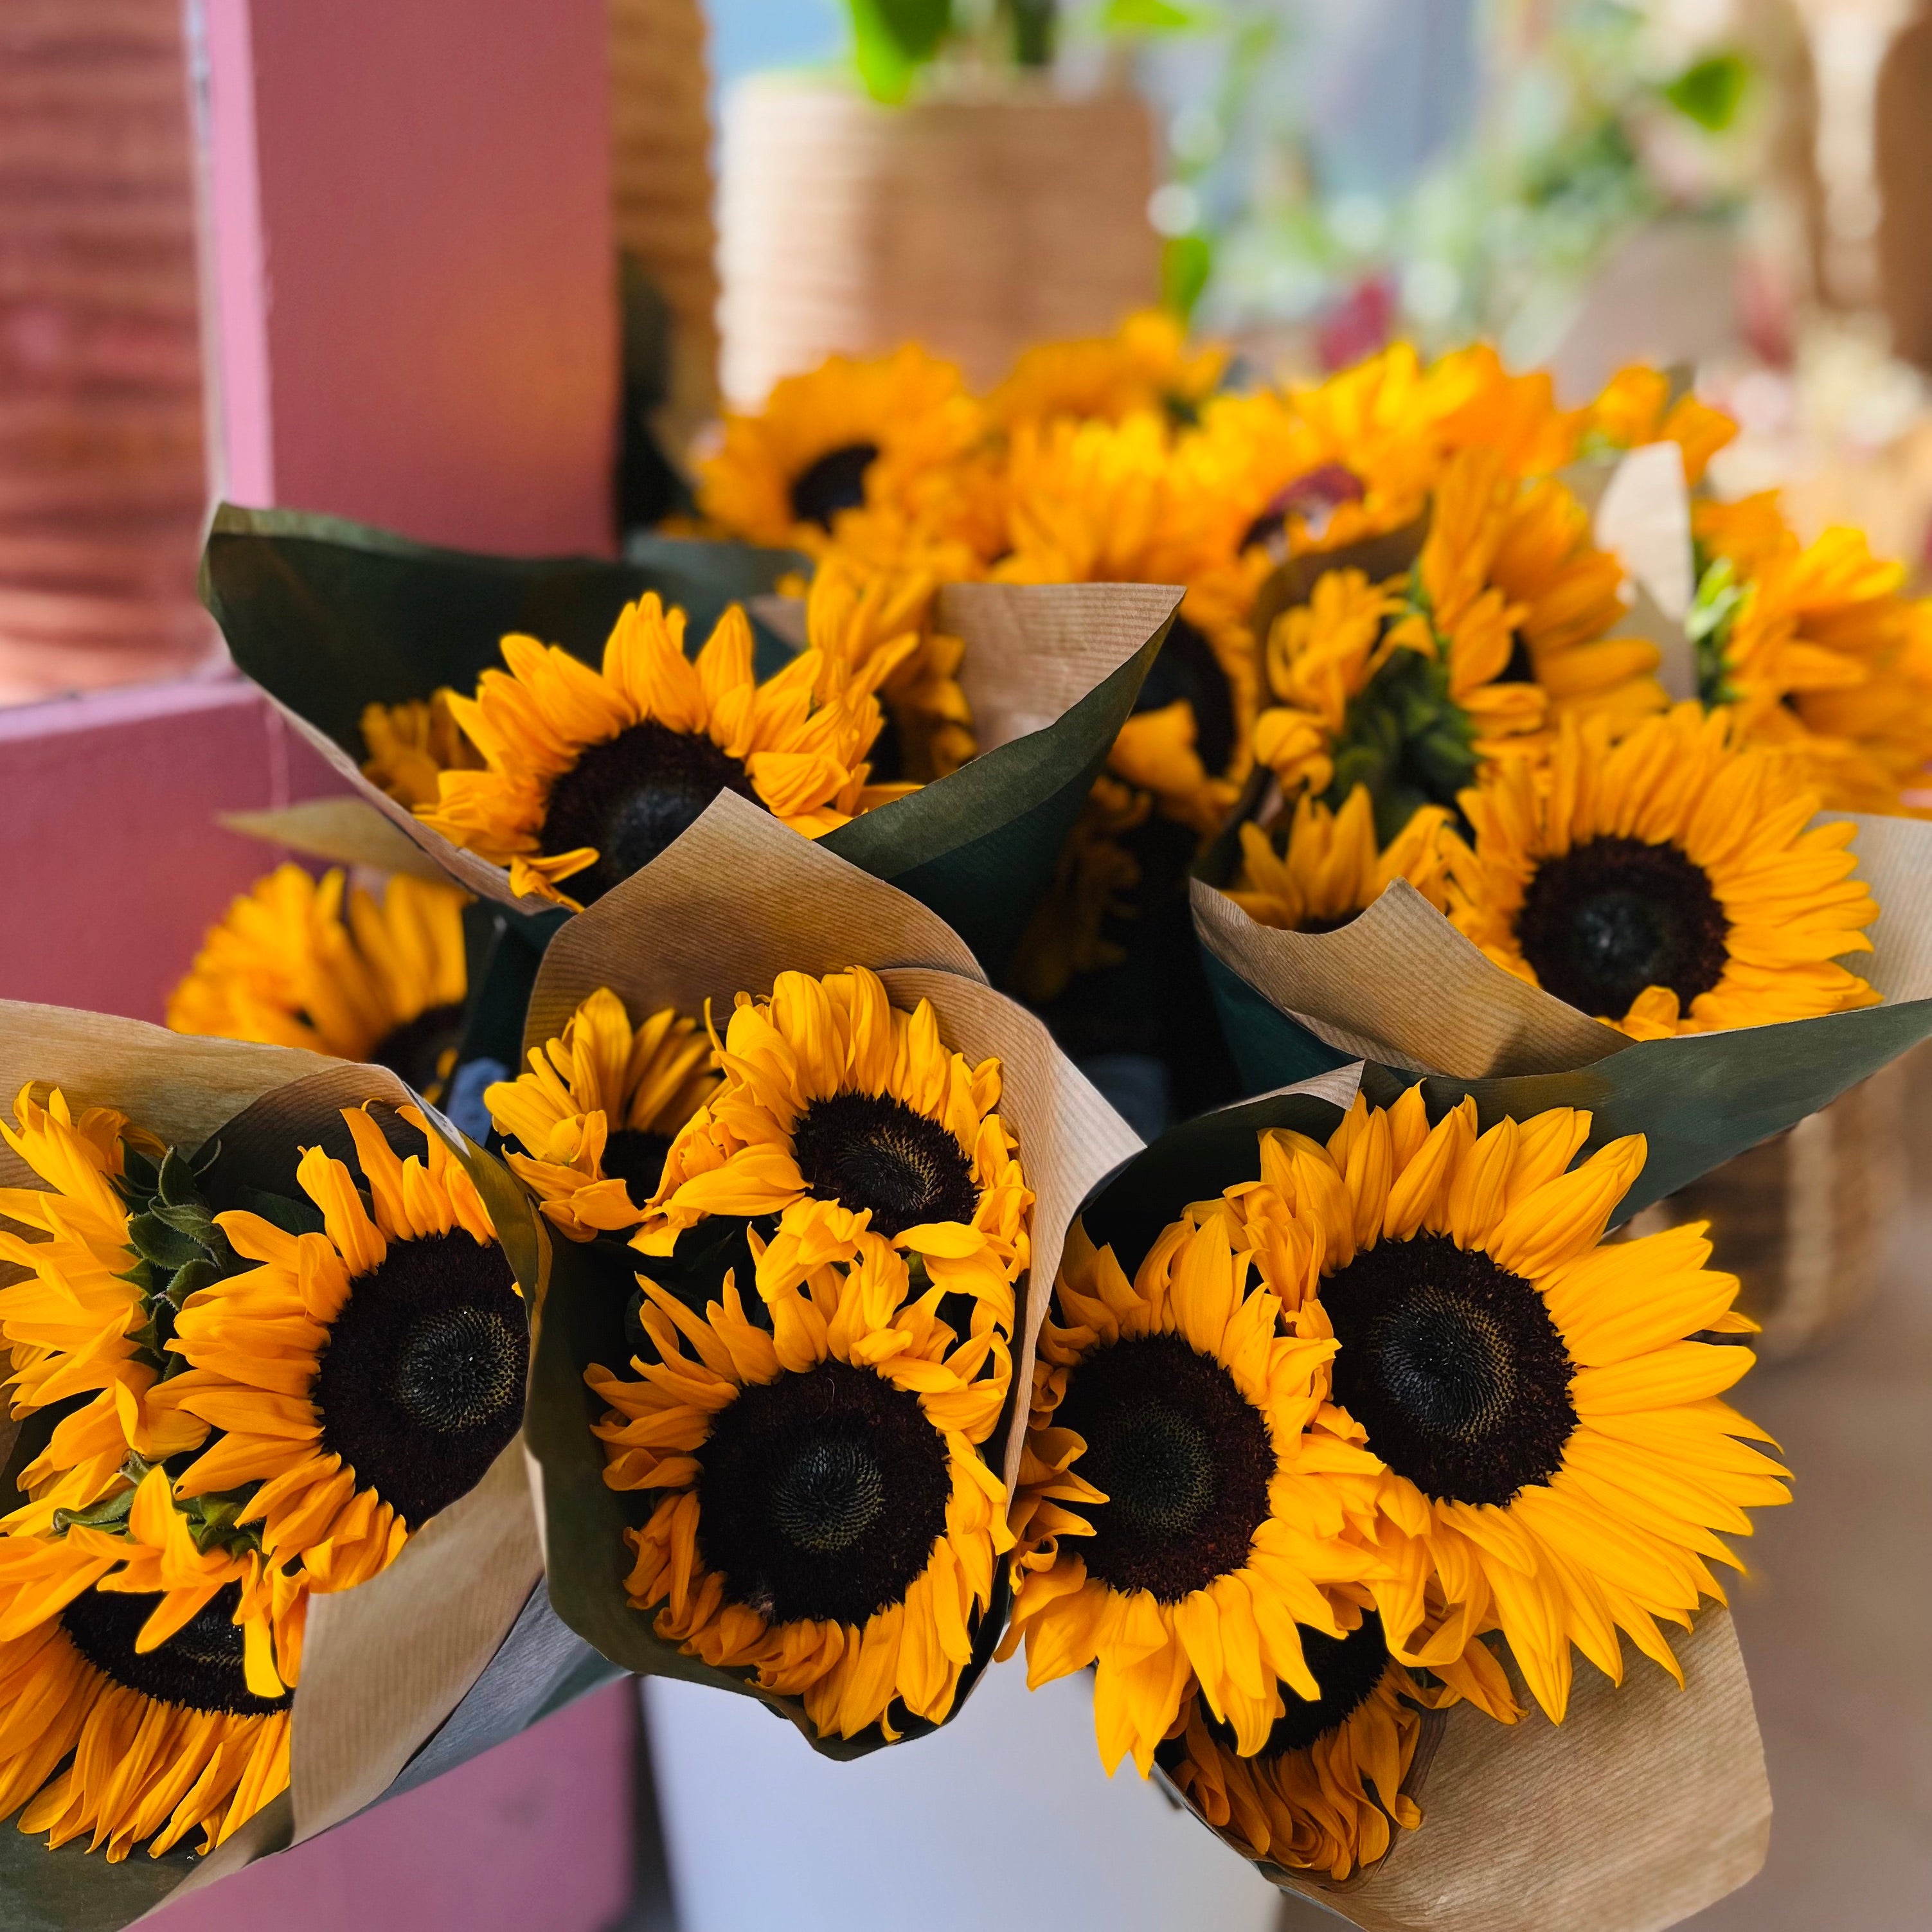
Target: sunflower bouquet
x=542, y=730
x=1363, y=1471
x=1610, y=923
x=268, y=1523
x=797, y=1173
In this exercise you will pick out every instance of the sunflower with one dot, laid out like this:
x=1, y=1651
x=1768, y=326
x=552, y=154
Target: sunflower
x=588, y=1175
x=145, y=1683
x=1322, y=1793
x=81, y=1322
x=1636, y=407
x=840, y=1112
x=365, y=1376
x=1145, y=366
x=850, y=435
x=1321, y=868
x=591, y=774
x=1099, y=503
x=1411, y=686
x=852, y=614
x=411, y=745
x=825, y=1519
x=1327, y=465
x=291, y=963
x=1555, y=1458
x=1667, y=883
x=1167, y=1435
x=1817, y=650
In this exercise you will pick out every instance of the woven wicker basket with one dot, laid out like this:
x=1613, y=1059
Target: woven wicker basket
x=1806, y=1220
x=102, y=484
x=975, y=227
x=660, y=169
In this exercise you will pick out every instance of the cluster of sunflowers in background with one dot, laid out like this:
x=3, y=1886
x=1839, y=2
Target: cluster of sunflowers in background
x=1397, y=610
x=1386, y=1423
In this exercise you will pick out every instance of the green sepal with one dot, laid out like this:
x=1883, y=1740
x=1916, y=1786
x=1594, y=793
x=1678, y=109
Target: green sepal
x=111, y=1514
x=173, y=1230
x=1707, y=625
x=212, y=1522
x=1406, y=738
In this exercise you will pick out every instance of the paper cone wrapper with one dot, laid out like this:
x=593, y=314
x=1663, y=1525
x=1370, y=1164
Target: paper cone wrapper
x=1400, y=985
x=734, y=903
x=386, y=1667
x=1644, y=1806
x=329, y=617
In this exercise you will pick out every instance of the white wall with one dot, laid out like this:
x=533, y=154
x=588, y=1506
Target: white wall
x=1002, y=1820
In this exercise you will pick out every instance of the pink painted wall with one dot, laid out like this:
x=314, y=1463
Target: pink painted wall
x=410, y=203
x=110, y=801
x=531, y=1837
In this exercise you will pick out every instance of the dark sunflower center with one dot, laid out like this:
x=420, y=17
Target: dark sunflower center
x=1606, y=918
x=457, y=1367
x=872, y=1150
x=821, y=1495
x=835, y=482
x=630, y=796
x=1315, y=498
x=420, y=1386
x=830, y=1497
x=1186, y=668
x=200, y=1667
x=1182, y=1457
x=423, y=1050
x=636, y=1158
x=1454, y=1366
x=1521, y=668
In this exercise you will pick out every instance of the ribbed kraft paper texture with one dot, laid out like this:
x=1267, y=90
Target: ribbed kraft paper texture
x=1647, y=1803
x=383, y=1665
x=390, y=1660
x=1030, y=658
x=738, y=900
x=1402, y=985
x=339, y=831
x=177, y=1086
x=735, y=901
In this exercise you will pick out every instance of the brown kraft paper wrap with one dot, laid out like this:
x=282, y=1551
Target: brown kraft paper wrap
x=383, y=1664
x=733, y=903
x=1647, y=1803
